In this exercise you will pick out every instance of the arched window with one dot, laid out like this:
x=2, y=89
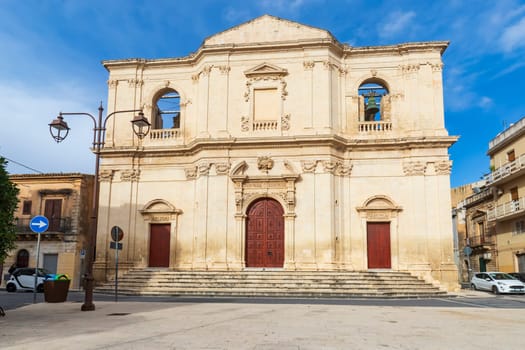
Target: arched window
x=374, y=103
x=22, y=258
x=167, y=111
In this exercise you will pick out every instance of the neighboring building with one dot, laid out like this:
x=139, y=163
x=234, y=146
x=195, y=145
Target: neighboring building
x=507, y=159
x=65, y=200
x=276, y=146
x=470, y=204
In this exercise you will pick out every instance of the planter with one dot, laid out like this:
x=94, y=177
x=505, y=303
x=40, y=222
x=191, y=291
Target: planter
x=55, y=291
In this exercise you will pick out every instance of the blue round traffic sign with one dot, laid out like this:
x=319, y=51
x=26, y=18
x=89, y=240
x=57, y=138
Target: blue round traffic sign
x=39, y=224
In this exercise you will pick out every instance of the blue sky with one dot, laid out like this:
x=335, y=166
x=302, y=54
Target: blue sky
x=52, y=49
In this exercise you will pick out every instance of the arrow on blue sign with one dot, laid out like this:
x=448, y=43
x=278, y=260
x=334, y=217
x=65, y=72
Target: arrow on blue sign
x=39, y=224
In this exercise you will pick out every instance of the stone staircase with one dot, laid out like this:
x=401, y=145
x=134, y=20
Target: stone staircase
x=297, y=284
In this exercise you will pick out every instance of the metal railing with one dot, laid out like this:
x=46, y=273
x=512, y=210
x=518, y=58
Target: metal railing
x=506, y=209
x=506, y=169
x=486, y=193
x=480, y=240
x=61, y=225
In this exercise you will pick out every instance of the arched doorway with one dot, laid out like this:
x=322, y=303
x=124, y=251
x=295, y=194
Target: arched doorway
x=265, y=234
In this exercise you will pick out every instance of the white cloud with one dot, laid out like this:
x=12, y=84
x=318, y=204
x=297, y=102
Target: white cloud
x=485, y=102
x=513, y=37
x=396, y=23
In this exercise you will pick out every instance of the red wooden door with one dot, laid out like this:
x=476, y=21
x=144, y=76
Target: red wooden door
x=159, y=245
x=265, y=234
x=53, y=212
x=378, y=245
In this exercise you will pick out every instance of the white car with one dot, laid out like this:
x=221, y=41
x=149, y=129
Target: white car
x=497, y=282
x=23, y=279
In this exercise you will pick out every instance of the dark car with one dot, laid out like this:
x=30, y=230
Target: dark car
x=518, y=275
x=23, y=279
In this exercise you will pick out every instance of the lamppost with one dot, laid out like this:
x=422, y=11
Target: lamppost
x=59, y=131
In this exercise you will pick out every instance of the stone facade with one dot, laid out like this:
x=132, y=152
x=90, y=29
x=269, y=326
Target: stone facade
x=66, y=200
x=273, y=116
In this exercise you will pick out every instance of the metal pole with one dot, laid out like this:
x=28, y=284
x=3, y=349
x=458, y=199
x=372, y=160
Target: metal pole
x=116, y=271
x=36, y=268
x=91, y=251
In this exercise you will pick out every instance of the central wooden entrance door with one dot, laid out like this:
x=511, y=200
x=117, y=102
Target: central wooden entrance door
x=159, y=245
x=378, y=245
x=265, y=234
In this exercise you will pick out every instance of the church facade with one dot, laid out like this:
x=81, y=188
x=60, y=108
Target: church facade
x=274, y=146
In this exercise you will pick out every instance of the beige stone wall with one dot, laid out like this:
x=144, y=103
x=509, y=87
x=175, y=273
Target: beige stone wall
x=330, y=175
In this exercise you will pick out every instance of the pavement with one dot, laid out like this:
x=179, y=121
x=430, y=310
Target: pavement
x=262, y=326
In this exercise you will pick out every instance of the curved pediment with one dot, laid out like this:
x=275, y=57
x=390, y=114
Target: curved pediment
x=267, y=29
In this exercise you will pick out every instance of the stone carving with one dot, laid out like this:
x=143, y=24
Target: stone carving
x=105, y=175
x=191, y=172
x=285, y=122
x=443, y=167
x=409, y=68
x=308, y=165
x=222, y=168
x=265, y=164
x=284, y=93
x=224, y=69
x=239, y=169
x=414, y=168
x=112, y=83
x=289, y=166
x=245, y=123
x=438, y=67
x=343, y=170
x=248, y=91
x=203, y=169
x=308, y=65
x=373, y=72
x=343, y=71
x=185, y=102
x=206, y=70
x=195, y=77
x=135, y=82
x=166, y=83
x=329, y=166
x=130, y=175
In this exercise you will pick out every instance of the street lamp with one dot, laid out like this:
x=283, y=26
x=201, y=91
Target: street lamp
x=59, y=131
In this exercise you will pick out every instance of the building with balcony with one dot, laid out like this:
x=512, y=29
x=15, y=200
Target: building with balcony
x=507, y=178
x=66, y=201
x=275, y=146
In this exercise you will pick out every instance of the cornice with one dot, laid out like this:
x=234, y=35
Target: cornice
x=339, y=143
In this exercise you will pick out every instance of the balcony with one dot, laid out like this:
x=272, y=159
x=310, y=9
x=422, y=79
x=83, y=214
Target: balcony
x=478, y=197
x=513, y=130
x=481, y=242
x=375, y=127
x=507, y=210
x=57, y=229
x=508, y=171
x=165, y=134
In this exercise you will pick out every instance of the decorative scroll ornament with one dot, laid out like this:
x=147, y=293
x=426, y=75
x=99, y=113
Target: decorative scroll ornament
x=204, y=169
x=245, y=123
x=285, y=122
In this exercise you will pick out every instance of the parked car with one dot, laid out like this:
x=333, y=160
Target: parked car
x=23, y=279
x=518, y=275
x=497, y=282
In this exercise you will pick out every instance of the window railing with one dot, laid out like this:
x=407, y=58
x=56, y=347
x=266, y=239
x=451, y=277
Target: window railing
x=375, y=126
x=61, y=225
x=506, y=169
x=506, y=209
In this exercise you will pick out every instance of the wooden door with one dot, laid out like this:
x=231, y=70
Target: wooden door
x=159, y=245
x=378, y=245
x=53, y=212
x=265, y=234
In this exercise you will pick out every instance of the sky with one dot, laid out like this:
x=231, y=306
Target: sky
x=51, y=53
